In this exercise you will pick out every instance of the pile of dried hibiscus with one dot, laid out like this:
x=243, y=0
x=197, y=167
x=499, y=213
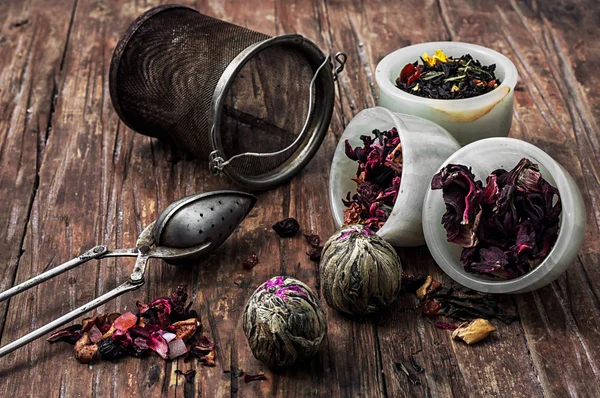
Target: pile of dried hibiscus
x=166, y=326
x=377, y=179
x=506, y=228
x=443, y=77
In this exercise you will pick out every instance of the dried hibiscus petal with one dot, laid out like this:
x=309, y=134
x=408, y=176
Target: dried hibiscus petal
x=513, y=222
x=378, y=179
x=69, y=334
x=286, y=228
x=462, y=196
x=315, y=254
x=447, y=326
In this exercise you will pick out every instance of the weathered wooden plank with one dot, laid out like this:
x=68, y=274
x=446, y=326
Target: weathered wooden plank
x=553, y=111
x=32, y=42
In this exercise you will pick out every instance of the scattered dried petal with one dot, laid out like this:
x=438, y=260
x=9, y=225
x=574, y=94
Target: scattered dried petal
x=69, y=334
x=430, y=307
x=315, y=255
x=313, y=240
x=177, y=348
x=185, y=329
x=447, y=326
x=474, y=331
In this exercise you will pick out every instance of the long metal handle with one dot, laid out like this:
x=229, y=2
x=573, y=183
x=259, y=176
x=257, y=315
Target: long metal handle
x=95, y=252
x=36, y=334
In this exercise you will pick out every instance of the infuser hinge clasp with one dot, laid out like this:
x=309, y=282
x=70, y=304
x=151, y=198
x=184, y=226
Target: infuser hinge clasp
x=340, y=60
x=216, y=163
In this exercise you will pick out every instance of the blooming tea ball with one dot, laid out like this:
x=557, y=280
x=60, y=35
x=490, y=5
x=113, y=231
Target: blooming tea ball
x=360, y=272
x=284, y=322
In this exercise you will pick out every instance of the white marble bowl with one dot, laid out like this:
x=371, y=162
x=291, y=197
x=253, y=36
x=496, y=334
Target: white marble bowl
x=468, y=120
x=425, y=145
x=484, y=157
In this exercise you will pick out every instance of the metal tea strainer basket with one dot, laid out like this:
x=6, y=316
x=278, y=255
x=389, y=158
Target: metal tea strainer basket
x=257, y=107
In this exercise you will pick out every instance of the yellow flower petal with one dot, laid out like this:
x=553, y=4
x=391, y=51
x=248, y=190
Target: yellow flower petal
x=454, y=88
x=416, y=87
x=440, y=56
x=430, y=60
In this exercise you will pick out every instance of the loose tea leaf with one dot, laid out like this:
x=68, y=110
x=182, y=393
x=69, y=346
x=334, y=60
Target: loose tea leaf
x=377, y=179
x=286, y=228
x=189, y=375
x=506, y=228
x=443, y=77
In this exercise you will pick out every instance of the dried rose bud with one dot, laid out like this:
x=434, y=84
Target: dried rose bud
x=430, y=285
x=474, y=331
x=85, y=350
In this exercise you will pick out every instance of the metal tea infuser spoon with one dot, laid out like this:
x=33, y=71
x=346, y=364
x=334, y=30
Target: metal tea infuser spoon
x=187, y=230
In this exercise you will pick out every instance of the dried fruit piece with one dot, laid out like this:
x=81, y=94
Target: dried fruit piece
x=430, y=285
x=474, y=331
x=85, y=350
x=185, y=329
x=286, y=228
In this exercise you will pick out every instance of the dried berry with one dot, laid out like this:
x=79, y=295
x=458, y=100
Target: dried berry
x=430, y=285
x=251, y=261
x=286, y=228
x=110, y=350
x=474, y=331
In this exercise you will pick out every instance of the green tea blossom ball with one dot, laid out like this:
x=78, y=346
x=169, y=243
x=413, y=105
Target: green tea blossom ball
x=284, y=322
x=360, y=272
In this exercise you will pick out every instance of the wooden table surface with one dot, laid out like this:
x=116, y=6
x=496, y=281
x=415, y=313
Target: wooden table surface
x=73, y=176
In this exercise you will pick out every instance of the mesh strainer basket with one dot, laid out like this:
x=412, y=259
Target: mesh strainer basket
x=257, y=107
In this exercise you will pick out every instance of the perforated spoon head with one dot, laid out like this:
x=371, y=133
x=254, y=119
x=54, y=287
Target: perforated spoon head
x=199, y=219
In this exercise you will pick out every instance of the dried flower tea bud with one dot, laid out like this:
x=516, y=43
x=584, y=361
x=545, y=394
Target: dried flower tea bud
x=284, y=322
x=360, y=272
x=286, y=228
x=474, y=331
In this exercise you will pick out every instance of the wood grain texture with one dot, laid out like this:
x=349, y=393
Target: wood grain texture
x=74, y=176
